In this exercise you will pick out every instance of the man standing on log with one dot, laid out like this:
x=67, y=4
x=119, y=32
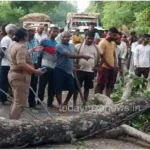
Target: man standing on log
x=63, y=73
x=106, y=72
x=142, y=57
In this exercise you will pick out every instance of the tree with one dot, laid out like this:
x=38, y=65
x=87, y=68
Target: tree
x=58, y=16
x=9, y=14
x=119, y=13
x=25, y=5
x=142, y=22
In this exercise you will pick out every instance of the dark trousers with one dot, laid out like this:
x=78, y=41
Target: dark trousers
x=4, y=84
x=31, y=99
x=47, y=78
x=142, y=71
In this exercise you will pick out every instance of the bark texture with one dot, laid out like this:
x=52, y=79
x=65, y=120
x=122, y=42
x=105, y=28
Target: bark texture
x=18, y=133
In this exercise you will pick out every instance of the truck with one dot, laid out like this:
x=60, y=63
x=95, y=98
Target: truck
x=81, y=21
x=35, y=19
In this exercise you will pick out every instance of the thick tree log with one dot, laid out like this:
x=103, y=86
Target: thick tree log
x=135, y=141
x=14, y=133
x=136, y=133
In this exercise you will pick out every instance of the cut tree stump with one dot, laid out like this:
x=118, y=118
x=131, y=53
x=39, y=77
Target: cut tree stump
x=19, y=133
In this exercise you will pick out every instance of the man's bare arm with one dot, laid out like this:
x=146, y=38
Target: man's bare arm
x=75, y=56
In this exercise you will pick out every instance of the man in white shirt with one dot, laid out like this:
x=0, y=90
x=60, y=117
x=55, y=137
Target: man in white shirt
x=133, y=46
x=142, y=57
x=123, y=53
x=40, y=35
x=86, y=69
x=5, y=42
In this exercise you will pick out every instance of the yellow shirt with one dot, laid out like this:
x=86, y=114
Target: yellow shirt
x=77, y=39
x=108, y=49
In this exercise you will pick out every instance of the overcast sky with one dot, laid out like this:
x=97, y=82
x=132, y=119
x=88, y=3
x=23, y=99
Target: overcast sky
x=81, y=4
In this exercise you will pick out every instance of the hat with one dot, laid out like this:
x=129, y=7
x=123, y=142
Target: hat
x=31, y=27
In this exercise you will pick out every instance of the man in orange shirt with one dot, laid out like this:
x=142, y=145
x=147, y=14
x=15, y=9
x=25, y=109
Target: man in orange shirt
x=108, y=63
x=77, y=38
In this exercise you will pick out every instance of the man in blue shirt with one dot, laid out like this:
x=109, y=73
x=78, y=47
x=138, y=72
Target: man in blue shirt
x=31, y=45
x=63, y=73
x=48, y=61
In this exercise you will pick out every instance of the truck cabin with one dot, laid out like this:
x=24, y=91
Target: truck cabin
x=78, y=20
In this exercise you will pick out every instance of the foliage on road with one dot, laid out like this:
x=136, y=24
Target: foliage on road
x=141, y=122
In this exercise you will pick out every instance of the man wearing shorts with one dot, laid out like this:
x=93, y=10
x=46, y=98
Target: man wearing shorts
x=63, y=73
x=85, y=73
x=106, y=72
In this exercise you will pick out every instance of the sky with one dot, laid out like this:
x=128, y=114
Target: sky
x=82, y=4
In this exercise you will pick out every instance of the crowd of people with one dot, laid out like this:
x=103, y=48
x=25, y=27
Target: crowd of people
x=26, y=51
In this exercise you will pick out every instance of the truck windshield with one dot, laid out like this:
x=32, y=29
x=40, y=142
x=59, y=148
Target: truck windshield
x=76, y=22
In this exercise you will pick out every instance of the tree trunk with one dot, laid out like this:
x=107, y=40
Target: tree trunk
x=18, y=133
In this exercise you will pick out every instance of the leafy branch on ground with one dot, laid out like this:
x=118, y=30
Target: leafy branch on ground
x=141, y=122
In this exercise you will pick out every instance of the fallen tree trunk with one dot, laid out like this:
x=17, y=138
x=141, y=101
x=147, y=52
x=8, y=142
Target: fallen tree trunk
x=18, y=133
x=136, y=133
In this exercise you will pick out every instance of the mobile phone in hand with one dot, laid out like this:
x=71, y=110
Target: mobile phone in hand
x=44, y=69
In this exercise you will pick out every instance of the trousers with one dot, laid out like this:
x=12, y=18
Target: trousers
x=20, y=90
x=47, y=78
x=4, y=84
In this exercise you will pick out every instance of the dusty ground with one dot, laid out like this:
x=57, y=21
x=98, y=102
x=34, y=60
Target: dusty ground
x=98, y=143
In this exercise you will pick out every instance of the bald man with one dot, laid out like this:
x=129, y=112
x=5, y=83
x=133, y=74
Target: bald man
x=40, y=35
x=63, y=73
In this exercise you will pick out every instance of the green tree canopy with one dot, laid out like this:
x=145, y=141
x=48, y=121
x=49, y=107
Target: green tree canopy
x=58, y=16
x=120, y=13
x=9, y=14
x=142, y=22
x=12, y=11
